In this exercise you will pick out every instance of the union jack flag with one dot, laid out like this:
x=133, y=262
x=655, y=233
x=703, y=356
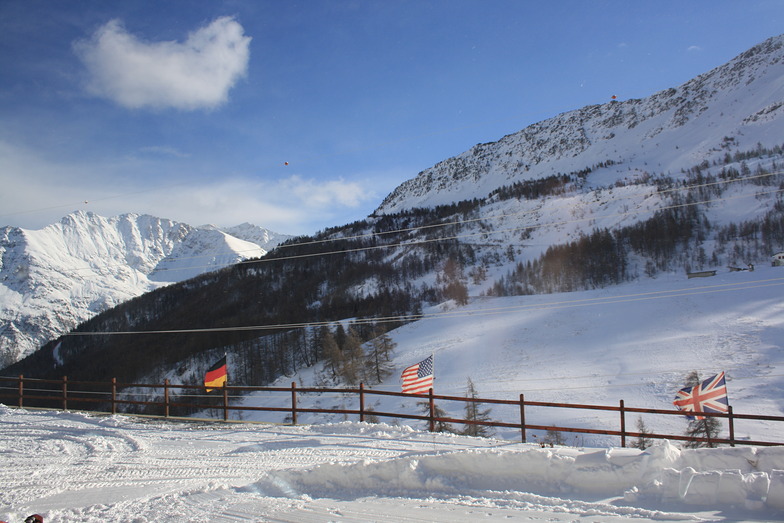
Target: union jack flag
x=708, y=396
x=418, y=378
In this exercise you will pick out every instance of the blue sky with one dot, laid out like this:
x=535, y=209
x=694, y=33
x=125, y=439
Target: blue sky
x=191, y=110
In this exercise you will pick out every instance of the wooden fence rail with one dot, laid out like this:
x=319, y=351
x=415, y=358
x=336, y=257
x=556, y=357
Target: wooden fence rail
x=63, y=393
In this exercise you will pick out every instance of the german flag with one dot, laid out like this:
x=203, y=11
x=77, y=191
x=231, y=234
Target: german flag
x=216, y=376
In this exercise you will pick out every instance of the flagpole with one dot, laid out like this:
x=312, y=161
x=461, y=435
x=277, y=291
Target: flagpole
x=226, y=389
x=433, y=359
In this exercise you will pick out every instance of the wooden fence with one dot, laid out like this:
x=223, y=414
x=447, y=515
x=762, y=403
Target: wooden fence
x=106, y=397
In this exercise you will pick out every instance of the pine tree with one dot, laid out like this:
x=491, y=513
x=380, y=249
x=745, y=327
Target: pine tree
x=643, y=441
x=454, y=288
x=438, y=412
x=333, y=356
x=473, y=412
x=708, y=427
x=351, y=370
x=378, y=359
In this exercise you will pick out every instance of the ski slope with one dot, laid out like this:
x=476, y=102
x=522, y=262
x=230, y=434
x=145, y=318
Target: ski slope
x=636, y=342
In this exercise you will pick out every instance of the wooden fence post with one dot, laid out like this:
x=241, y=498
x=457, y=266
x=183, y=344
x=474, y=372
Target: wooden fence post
x=623, y=425
x=21, y=391
x=522, y=416
x=293, y=402
x=166, y=398
x=225, y=403
x=114, y=396
x=361, y=402
x=432, y=410
x=731, y=421
x=65, y=392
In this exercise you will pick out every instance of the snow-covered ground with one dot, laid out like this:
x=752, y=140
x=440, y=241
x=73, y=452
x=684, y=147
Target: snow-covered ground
x=634, y=342
x=71, y=467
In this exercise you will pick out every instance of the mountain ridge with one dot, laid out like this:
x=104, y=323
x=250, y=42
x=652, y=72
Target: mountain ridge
x=740, y=102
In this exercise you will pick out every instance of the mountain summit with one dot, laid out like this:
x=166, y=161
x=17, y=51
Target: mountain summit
x=736, y=105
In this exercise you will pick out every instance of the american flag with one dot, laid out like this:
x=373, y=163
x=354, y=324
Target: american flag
x=708, y=396
x=418, y=378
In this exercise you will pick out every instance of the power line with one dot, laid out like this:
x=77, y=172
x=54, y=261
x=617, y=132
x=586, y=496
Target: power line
x=471, y=235
x=523, y=213
x=460, y=313
x=413, y=317
x=499, y=231
x=469, y=221
x=564, y=304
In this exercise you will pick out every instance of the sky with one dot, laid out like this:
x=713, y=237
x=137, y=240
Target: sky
x=302, y=115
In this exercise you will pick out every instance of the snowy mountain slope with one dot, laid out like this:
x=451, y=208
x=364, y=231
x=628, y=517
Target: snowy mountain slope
x=208, y=250
x=737, y=105
x=56, y=277
x=635, y=342
x=255, y=234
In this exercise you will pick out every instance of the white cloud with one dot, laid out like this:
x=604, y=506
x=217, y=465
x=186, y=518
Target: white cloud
x=194, y=74
x=37, y=192
x=325, y=194
x=694, y=48
x=163, y=150
x=290, y=205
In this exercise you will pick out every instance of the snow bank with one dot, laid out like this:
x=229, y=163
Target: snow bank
x=706, y=477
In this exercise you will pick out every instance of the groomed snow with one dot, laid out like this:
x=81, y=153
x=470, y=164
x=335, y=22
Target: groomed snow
x=73, y=467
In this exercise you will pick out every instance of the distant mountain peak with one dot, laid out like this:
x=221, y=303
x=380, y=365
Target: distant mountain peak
x=54, y=278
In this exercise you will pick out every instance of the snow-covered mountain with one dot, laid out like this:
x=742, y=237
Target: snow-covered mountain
x=735, y=106
x=54, y=278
